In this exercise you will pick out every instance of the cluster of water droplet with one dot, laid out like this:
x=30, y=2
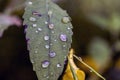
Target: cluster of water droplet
x=62, y=37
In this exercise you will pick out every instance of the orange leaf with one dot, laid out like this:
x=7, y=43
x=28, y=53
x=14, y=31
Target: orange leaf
x=68, y=75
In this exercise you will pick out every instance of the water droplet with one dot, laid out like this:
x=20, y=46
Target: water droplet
x=36, y=31
x=52, y=54
x=47, y=77
x=51, y=26
x=45, y=64
x=51, y=73
x=36, y=13
x=68, y=28
x=59, y=65
x=46, y=22
x=32, y=61
x=64, y=45
x=65, y=57
x=47, y=46
x=63, y=37
x=46, y=38
x=32, y=19
x=36, y=51
x=30, y=3
x=51, y=44
x=66, y=19
x=50, y=13
x=44, y=75
x=34, y=25
x=53, y=32
x=39, y=29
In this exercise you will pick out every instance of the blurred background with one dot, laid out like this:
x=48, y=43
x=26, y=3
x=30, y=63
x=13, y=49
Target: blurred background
x=96, y=38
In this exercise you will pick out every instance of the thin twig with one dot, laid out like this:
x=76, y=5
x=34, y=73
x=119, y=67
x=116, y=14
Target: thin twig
x=79, y=59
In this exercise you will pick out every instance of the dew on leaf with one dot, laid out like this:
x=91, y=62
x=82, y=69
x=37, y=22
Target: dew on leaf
x=36, y=51
x=69, y=28
x=47, y=46
x=32, y=19
x=30, y=3
x=63, y=37
x=34, y=25
x=51, y=26
x=50, y=13
x=45, y=64
x=66, y=19
x=32, y=61
x=46, y=22
x=36, y=31
x=64, y=45
x=39, y=29
x=47, y=77
x=51, y=73
x=52, y=54
x=51, y=44
x=46, y=38
x=53, y=32
x=59, y=65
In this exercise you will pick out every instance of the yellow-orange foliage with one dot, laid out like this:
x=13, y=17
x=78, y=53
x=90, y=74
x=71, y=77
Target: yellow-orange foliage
x=68, y=75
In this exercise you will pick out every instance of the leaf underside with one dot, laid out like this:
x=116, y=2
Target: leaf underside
x=49, y=36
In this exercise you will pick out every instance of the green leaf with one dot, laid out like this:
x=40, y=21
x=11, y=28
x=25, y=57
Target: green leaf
x=49, y=34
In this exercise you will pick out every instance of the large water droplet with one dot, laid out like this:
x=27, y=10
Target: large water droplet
x=66, y=19
x=51, y=26
x=45, y=64
x=63, y=37
x=32, y=19
x=52, y=54
x=46, y=38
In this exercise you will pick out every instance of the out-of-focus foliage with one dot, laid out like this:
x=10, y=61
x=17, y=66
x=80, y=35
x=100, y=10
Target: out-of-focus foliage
x=100, y=51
